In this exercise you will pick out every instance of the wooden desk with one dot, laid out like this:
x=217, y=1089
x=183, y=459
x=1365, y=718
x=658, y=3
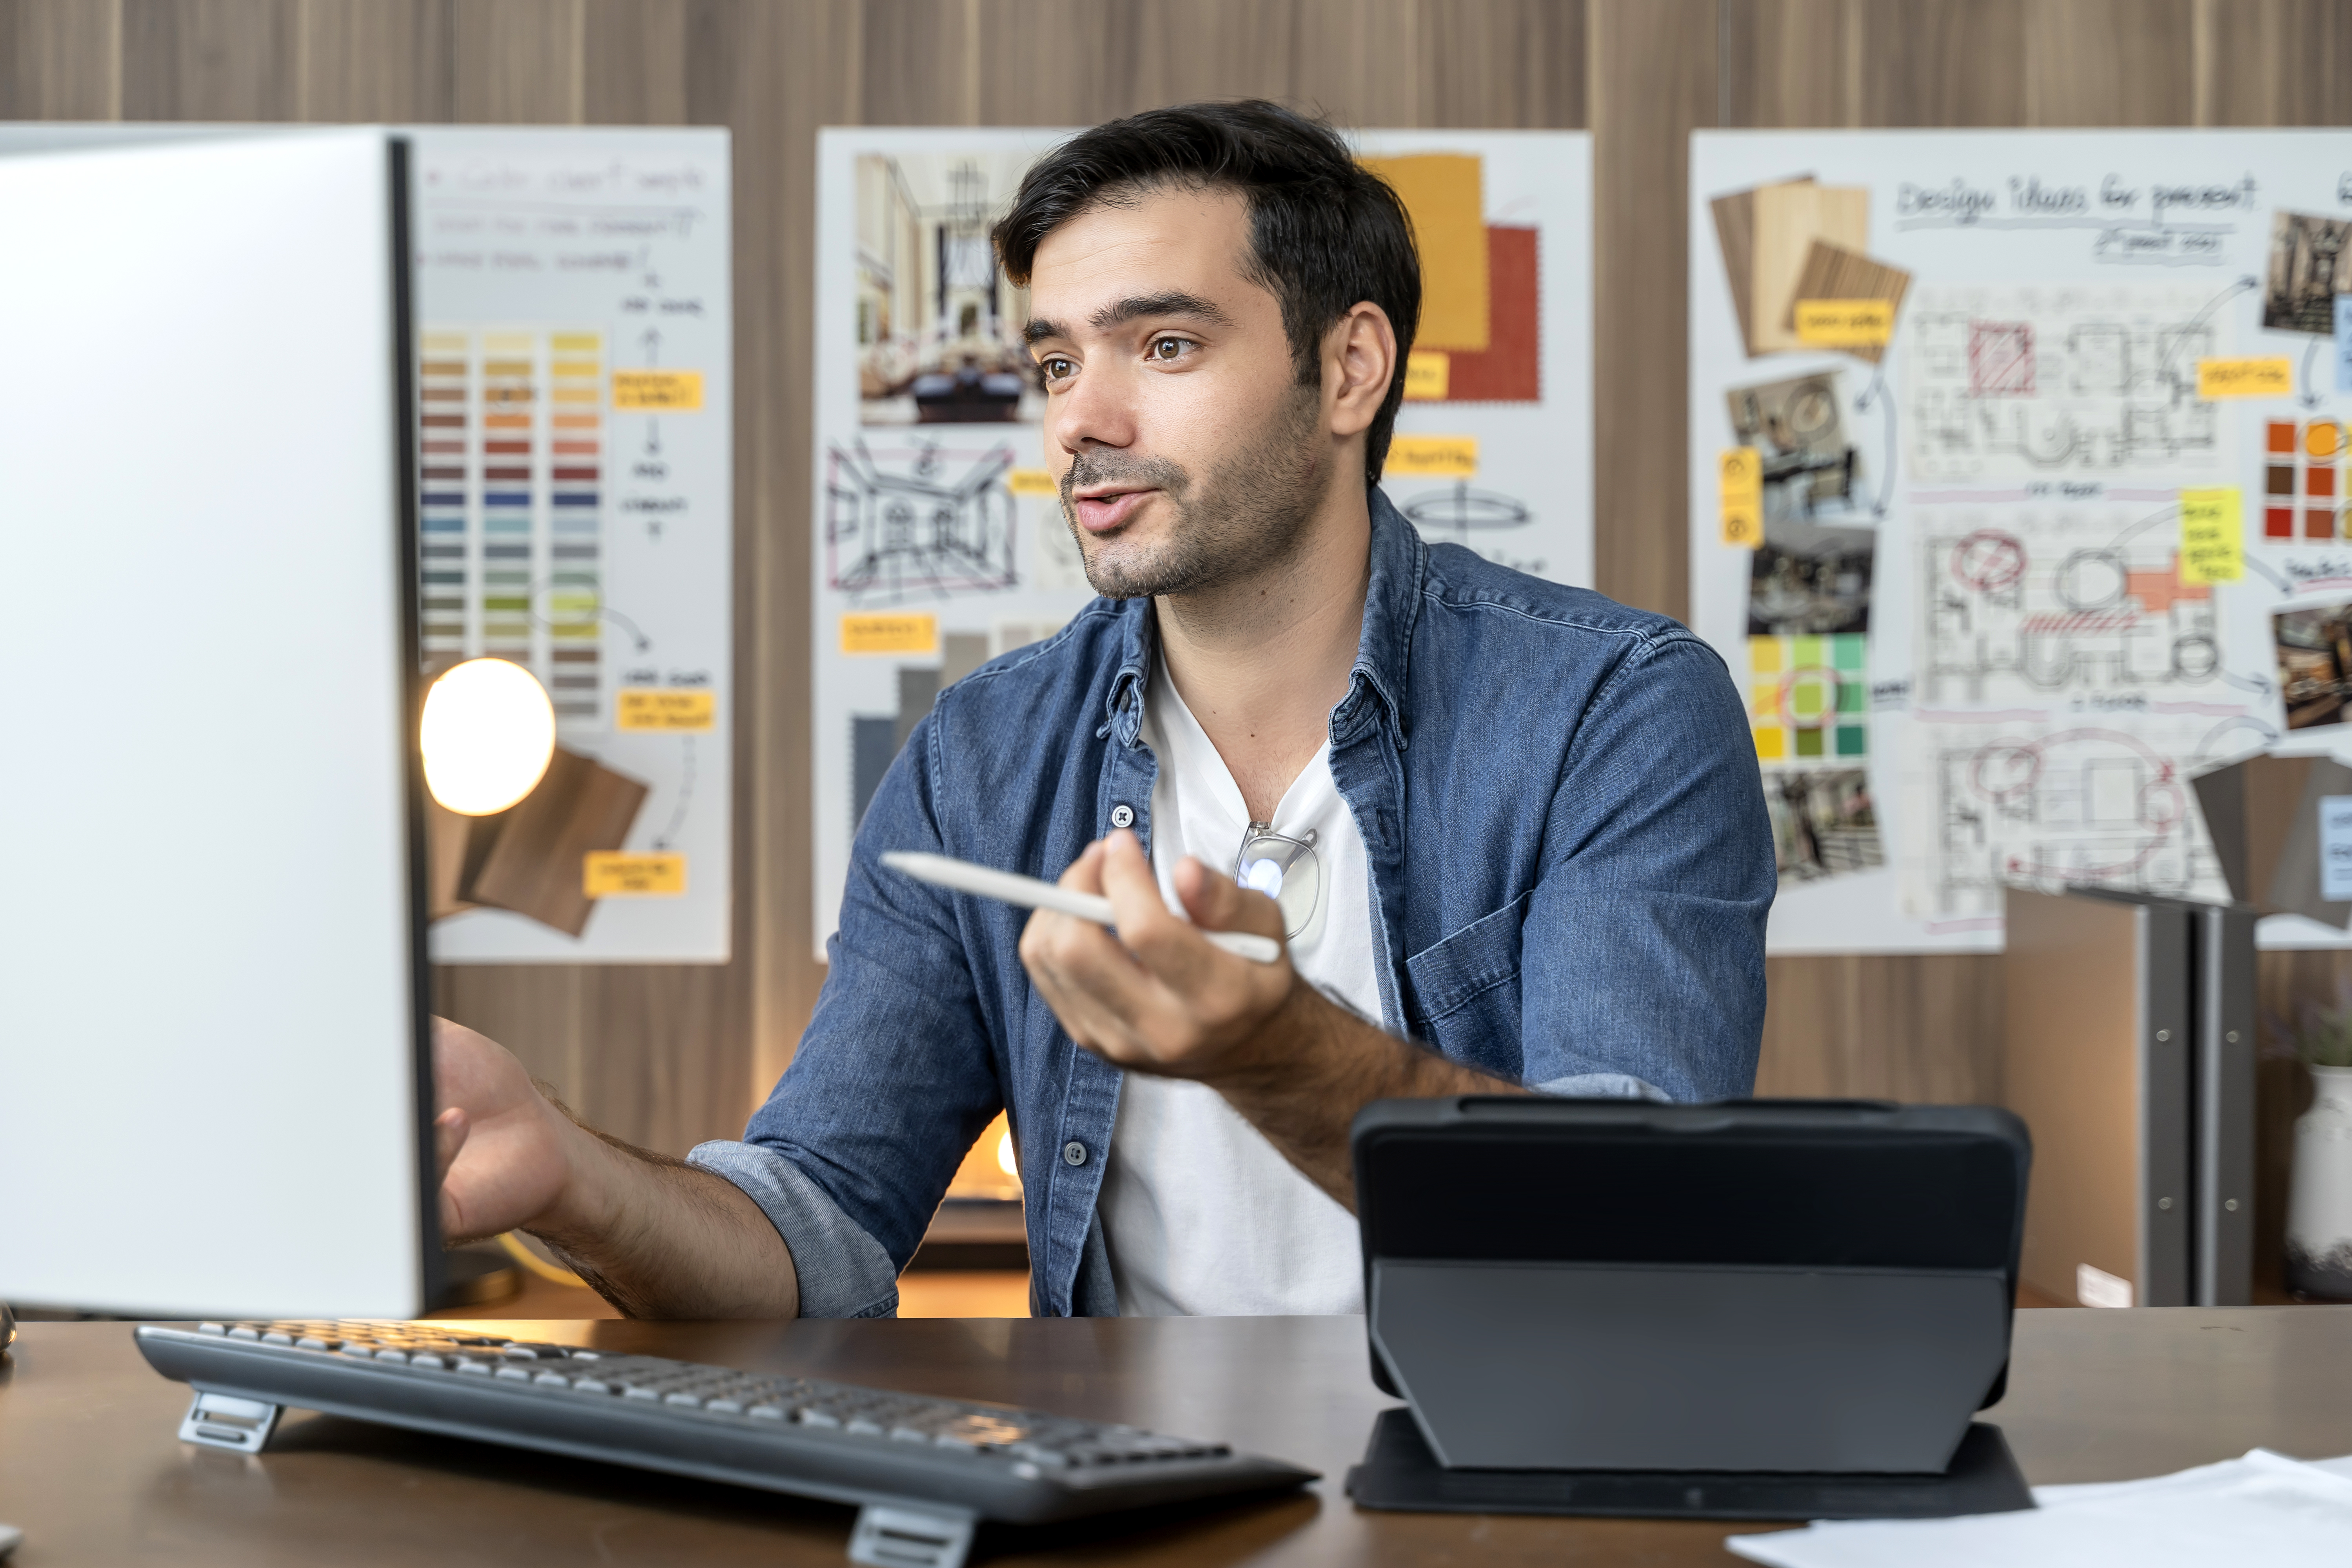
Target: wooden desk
x=90, y=1470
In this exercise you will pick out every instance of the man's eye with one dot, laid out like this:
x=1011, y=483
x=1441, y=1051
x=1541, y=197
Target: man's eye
x=1056, y=368
x=1168, y=348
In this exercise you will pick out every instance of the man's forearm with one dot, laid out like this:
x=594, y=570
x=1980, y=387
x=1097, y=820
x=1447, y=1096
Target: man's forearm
x=1324, y=1065
x=660, y=1238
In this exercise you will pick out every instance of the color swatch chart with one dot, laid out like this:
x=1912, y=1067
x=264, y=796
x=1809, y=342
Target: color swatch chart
x=1809, y=696
x=2302, y=496
x=511, y=515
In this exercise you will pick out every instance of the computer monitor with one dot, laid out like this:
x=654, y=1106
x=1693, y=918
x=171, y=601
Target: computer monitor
x=214, y=1086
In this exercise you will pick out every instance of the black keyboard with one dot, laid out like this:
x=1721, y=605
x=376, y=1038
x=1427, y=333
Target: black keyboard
x=924, y=1470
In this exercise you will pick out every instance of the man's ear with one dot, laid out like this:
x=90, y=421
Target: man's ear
x=1359, y=360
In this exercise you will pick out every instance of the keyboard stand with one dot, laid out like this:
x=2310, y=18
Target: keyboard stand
x=894, y=1535
x=221, y=1421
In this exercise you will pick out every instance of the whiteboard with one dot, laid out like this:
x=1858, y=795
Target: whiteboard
x=908, y=293
x=2038, y=678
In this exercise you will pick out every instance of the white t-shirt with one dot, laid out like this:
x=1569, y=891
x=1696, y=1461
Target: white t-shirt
x=1204, y=1216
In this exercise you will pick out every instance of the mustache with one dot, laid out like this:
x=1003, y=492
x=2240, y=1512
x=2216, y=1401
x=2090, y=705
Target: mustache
x=1097, y=468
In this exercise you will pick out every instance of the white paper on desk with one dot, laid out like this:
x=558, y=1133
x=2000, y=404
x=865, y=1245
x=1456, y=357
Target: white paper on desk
x=2264, y=1508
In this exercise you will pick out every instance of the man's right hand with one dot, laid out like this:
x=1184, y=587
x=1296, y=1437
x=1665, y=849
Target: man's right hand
x=656, y=1238
x=506, y=1153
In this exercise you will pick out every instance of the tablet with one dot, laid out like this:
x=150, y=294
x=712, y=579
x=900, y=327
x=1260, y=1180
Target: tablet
x=1751, y=1286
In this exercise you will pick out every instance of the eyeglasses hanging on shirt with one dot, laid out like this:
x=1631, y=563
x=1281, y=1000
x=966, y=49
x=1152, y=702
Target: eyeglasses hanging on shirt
x=1284, y=869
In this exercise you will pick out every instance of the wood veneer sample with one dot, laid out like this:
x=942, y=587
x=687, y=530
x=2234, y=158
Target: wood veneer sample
x=528, y=858
x=1789, y=218
x=1735, y=236
x=1832, y=272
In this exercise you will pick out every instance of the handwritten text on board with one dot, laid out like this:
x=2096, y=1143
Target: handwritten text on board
x=609, y=873
x=658, y=708
x=2245, y=378
x=1434, y=456
x=657, y=391
x=1845, y=324
x=2213, y=536
x=889, y=634
x=1741, y=474
x=1428, y=373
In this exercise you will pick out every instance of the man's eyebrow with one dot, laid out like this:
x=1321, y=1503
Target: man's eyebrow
x=1175, y=302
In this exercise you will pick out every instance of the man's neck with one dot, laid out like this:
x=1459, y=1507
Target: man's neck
x=1261, y=661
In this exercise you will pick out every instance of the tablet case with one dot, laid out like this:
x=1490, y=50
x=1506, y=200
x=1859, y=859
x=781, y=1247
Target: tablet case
x=1811, y=1290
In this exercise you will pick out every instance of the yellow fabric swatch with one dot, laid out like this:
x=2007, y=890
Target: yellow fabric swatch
x=1444, y=193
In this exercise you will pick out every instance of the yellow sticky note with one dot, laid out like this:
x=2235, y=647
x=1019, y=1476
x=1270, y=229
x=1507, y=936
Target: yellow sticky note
x=1444, y=195
x=1433, y=457
x=609, y=873
x=660, y=708
x=657, y=391
x=1032, y=482
x=1740, y=479
x=1845, y=324
x=889, y=634
x=2212, y=535
x=2245, y=378
x=1427, y=374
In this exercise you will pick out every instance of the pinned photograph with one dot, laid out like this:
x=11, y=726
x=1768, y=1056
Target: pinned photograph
x=2314, y=664
x=1822, y=822
x=1811, y=471
x=939, y=328
x=2309, y=265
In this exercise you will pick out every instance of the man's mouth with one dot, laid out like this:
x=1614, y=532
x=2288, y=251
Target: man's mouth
x=1103, y=509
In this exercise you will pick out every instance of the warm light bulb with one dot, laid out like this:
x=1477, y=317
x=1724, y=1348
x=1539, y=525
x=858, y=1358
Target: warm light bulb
x=487, y=734
x=1004, y=1157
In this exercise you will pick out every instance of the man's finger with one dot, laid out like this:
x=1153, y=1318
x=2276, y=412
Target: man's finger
x=450, y=1131
x=1219, y=903
x=1085, y=873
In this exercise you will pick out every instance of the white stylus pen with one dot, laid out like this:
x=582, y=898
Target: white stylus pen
x=1030, y=893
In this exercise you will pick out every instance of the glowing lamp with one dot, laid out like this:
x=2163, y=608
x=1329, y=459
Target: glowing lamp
x=1004, y=1157
x=487, y=734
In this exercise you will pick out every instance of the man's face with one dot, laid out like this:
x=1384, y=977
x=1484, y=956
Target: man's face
x=1187, y=454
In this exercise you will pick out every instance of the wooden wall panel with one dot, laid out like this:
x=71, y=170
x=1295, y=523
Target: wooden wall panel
x=209, y=59
x=61, y=60
x=2273, y=62
x=2110, y=62
x=373, y=61
x=666, y=1055
x=1651, y=72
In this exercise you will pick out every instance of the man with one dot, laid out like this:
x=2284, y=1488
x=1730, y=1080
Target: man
x=1516, y=823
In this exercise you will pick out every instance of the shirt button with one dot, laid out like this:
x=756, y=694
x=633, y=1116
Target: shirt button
x=1120, y=816
x=1075, y=1153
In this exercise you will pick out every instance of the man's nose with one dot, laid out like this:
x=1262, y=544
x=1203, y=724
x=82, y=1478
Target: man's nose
x=1099, y=410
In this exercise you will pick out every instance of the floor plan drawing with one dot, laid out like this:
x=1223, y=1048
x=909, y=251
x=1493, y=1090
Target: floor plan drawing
x=2061, y=380
x=2028, y=603
x=2049, y=805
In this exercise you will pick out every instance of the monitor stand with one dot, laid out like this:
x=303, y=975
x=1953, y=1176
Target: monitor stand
x=1398, y=1473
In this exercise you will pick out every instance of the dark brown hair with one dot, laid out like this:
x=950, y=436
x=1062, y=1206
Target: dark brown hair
x=1324, y=232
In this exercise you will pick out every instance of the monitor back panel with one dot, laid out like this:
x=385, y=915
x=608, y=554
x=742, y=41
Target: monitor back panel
x=208, y=940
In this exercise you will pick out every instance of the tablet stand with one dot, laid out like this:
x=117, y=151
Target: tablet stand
x=1398, y=1473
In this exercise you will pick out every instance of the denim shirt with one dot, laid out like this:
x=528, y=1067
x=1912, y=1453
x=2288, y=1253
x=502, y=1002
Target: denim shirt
x=1571, y=869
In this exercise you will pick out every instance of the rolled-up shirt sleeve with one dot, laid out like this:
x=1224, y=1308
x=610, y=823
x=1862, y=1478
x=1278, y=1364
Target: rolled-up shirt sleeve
x=895, y=1078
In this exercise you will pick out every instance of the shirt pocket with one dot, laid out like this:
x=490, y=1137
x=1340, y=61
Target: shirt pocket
x=1465, y=991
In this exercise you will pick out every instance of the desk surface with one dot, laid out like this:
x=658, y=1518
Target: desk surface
x=90, y=1470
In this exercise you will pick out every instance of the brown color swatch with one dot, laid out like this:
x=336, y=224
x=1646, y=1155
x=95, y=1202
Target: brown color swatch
x=1832, y=272
x=528, y=857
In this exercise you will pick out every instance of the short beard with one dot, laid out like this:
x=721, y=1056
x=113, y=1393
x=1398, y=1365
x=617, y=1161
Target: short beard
x=1250, y=516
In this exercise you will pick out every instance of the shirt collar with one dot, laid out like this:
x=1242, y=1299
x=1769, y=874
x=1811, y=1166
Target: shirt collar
x=1391, y=604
